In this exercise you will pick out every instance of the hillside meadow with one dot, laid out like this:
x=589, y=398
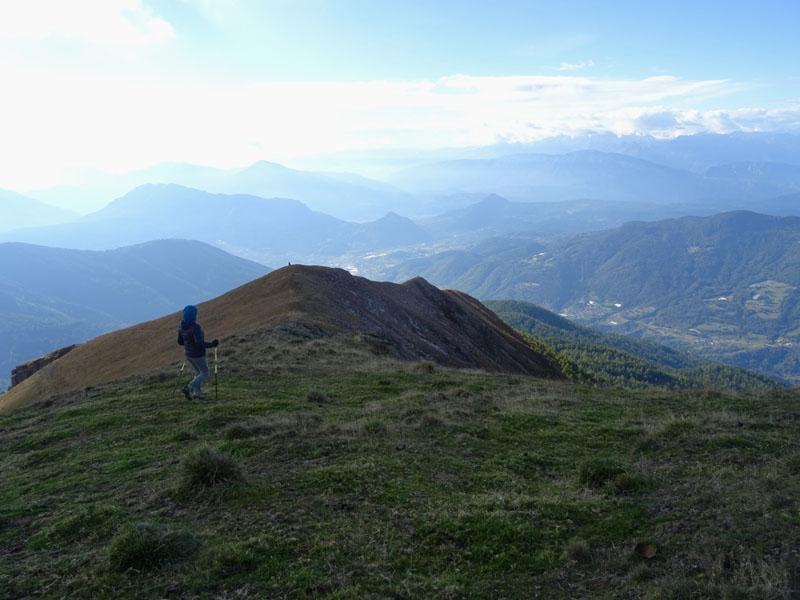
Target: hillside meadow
x=325, y=469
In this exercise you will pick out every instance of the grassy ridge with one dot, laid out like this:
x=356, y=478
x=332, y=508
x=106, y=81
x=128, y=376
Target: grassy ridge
x=362, y=477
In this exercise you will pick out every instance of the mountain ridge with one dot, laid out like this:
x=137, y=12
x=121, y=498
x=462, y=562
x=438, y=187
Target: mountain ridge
x=412, y=321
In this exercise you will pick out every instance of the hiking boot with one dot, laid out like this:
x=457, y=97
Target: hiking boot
x=198, y=395
x=186, y=392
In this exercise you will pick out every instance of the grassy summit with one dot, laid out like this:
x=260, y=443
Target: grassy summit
x=328, y=470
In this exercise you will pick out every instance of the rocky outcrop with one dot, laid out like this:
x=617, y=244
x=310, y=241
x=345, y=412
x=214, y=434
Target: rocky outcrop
x=416, y=320
x=25, y=370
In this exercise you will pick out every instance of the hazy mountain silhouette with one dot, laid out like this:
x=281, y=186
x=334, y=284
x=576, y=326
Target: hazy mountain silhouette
x=272, y=231
x=51, y=297
x=705, y=150
x=347, y=196
x=494, y=215
x=695, y=153
x=755, y=173
x=18, y=211
x=586, y=174
x=412, y=321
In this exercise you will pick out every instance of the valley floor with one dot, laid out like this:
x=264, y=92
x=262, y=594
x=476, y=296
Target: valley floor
x=325, y=470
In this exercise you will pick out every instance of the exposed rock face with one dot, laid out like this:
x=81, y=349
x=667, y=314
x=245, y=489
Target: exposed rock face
x=415, y=319
x=25, y=370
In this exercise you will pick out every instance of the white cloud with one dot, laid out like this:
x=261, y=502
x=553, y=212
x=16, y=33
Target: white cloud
x=53, y=119
x=564, y=66
x=102, y=22
x=666, y=122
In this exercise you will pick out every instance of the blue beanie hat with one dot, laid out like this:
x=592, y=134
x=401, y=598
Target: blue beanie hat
x=189, y=313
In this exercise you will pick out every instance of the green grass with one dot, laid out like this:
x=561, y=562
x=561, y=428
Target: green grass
x=355, y=476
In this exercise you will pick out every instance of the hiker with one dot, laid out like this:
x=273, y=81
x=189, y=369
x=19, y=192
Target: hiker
x=190, y=336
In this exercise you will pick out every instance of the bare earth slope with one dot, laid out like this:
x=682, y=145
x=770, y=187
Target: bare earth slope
x=415, y=320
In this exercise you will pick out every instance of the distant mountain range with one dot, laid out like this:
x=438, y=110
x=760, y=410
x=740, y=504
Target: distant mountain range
x=271, y=231
x=696, y=153
x=18, y=211
x=52, y=297
x=494, y=215
x=726, y=286
x=344, y=195
x=600, y=176
x=739, y=166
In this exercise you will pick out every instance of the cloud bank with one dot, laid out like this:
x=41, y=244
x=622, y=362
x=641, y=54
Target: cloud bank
x=125, y=124
x=101, y=22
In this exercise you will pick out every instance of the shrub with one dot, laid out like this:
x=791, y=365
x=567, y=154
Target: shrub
x=143, y=546
x=206, y=467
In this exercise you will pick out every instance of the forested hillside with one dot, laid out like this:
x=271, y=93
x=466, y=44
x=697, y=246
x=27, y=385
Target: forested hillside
x=725, y=286
x=607, y=358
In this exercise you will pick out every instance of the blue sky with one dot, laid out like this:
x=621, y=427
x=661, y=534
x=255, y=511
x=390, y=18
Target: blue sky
x=357, y=40
x=120, y=84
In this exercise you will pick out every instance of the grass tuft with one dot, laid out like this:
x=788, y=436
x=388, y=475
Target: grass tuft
x=598, y=472
x=239, y=431
x=206, y=467
x=628, y=483
x=317, y=397
x=578, y=551
x=430, y=422
x=79, y=524
x=144, y=546
x=423, y=366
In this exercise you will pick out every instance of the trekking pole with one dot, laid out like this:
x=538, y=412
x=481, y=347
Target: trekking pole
x=177, y=381
x=216, y=369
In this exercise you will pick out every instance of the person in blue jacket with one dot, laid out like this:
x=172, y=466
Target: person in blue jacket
x=191, y=337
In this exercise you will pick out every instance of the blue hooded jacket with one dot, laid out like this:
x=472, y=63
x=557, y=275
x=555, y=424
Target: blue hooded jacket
x=190, y=334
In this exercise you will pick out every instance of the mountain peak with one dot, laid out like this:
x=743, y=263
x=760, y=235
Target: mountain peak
x=264, y=166
x=413, y=321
